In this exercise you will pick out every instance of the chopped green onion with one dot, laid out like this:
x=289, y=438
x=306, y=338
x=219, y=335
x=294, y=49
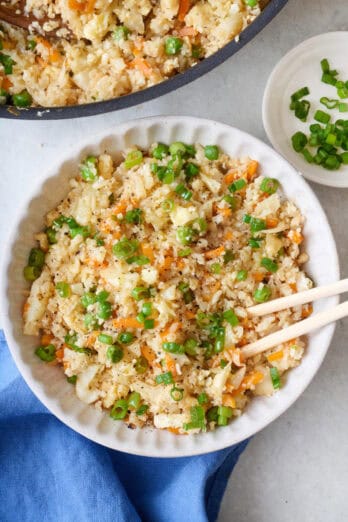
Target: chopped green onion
x=143, y=409
x=183, y=192
x=197, y=419
x=138, y=260
x=223, y=363
x=246, y=218
x=141, y=365
x=231, y=200
x=173, y=45
x=134, y=400
x=36, y=257
x=125, y=337
x=329, y=104
x=125, y=247
x=22, y=99
x=202, y=398
x=114, y=353
x=270, y=265
x=31, y=273
x=262, y=294
x=269, y=185
x=222, y=421
x=328, y=78
x=185, y=235
x=301, y=109
x=173, y=347
x=31, y=44
x=254, y=242
x=307, y=156
x=133, y=216
x=149, y=324
x=257, y=224
x=46, y=353
x=325, y=67
x=88, y=169
x=184, y=252
x=121, y=33
x=225, y=411
x=72, y=379
x=343, y=107
x=7, y=62
x=167, y=205
x=241, y=275
x=63, y=289
x=191, y=170
x=228, y=256
x=215, y=268
x=190, y=346
x=211, y=152
x=239, y=184
x=299, y=141
x=160, y=151
x=176, y=393
x=105, y=338
x=51, y=235
x=165, y=378
x=140, y=292
x=230, y=317
x=133, y=158
x=119, y=410
x=322, y=116
x=275, y=378
x=220, y=339
x=299, y=94
x=70, y=341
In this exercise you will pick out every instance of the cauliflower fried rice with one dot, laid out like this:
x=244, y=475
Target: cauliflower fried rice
x=142, y=277
x=106, y=48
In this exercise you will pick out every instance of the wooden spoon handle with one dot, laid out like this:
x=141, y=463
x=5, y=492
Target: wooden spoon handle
x=9, y=15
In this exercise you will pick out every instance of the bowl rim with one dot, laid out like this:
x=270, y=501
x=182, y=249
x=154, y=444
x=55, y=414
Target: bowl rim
x=155, y=91
x=14, y=347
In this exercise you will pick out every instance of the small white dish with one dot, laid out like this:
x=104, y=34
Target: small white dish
x=299, y=68
x=49, y=383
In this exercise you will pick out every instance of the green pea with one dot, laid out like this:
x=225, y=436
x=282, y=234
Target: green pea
x=173, y=45
x=22, y=99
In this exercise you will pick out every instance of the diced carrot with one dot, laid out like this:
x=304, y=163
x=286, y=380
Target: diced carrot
x=275, y=356
x=92, y=338
x=26, y=307
x=84, y=6
x=215, y=253
x=228, y=400
x=142, y=65
x=307, y=311
x=230, y=177
x=189, y=314
x=187, y=31
x=224, y=211
x=126, y=322
x=184, y=7
x=8, y=45
x=60, y=354
x=258, y=276
x=168, y=261
x=170, y=329
x=117, y=234
x=295, y=237
x=180, y=263
x=176, y=431
x=252, y=169
x=147, y=250
x=171, y=367
x=293, y=287
x=228, y=235
x=271, y=222
x=120, y=208
x=6, y=83
x=148, y=353
x=255, y=378
x=44, y=42
x=46, y=339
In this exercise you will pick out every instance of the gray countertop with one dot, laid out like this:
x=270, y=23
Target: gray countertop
x=297, y=467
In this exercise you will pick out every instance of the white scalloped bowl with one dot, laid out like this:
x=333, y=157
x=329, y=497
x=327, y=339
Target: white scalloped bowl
x=49, y=383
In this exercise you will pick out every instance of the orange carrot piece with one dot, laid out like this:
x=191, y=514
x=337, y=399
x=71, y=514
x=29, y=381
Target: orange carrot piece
x=126, y=322
x=184, y=7
x=258, y=276
x=187, y=31
x=293, y=287
x=6, y=83
x=168, y=261
x=224, y=211
x=120, y=208
x=142, y=65
x=148, y=353
x=228, y=235
x=228, y=400
x=147, y=250
x=230, y=177
x=307, y=311
x=189, y=314
x=271, y=222
x=215, y=253
x=46, y=339
x=60, y=354
x=252, y=169
x=295, y=237
x=170, y=363
x=275, y=356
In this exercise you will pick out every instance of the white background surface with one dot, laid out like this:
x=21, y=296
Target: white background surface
x=297, y=468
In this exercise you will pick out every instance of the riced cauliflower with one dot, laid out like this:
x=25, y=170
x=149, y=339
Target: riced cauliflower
x=142, y=280
x=107, y=49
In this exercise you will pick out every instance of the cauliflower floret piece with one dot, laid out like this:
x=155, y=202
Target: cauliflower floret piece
x=36, y=304
x=84, y=384
x=182, y=215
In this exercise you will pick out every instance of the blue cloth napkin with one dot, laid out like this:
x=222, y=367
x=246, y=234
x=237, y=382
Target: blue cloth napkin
x=49, y=473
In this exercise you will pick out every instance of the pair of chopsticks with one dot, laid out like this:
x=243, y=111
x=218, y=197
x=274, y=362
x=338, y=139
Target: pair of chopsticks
x=302, y=327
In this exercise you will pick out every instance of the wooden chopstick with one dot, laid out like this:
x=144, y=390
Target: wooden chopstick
x=296, y=330
x=300, y=298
